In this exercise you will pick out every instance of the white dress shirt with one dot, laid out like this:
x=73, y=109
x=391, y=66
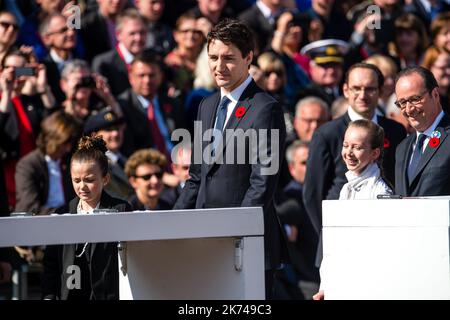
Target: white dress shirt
x=234, y=98
x=55, y=196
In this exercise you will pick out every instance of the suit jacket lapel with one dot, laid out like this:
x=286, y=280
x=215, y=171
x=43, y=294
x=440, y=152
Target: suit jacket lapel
x=45, y=173
x=210, y=117
x=244, y=102
x=405, y=163
x=212, y=113
x=234, y=121
x=429, y=152
x=136, y=104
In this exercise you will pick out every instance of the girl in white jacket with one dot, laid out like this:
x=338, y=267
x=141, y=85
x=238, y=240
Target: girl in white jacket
x=362, y=152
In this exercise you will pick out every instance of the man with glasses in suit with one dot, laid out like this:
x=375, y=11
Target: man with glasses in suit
x=423, y=159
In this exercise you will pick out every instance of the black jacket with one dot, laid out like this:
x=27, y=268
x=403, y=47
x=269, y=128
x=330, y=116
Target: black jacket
x=103, y=267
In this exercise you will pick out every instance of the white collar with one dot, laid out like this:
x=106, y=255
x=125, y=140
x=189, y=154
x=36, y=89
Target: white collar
x=51, y=161
x=372, y=170
x=58, y=59
x=236, y=93
x=356, y=116
x=112, y=156
x=145, y=102
x=81, y=211
x=428, y=132
x=265, y=10
x=127, y=55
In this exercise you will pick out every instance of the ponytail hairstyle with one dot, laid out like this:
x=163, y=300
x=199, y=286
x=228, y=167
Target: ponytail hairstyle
x=92, y=148
x=376, y=136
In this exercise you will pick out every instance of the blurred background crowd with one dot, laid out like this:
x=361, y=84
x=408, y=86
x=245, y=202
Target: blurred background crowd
x=134, y=71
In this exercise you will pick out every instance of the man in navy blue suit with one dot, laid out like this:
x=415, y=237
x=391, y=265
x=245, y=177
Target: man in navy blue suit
x=325, y=175
x=240, y=105
x=423, y=159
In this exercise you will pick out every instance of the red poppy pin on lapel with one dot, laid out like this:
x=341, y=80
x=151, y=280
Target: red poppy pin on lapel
x=240, y=111
x=435, y=139
x=387, y=143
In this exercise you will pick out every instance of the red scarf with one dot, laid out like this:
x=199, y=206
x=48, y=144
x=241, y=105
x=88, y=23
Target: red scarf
x=27, y=144
x=122, y=57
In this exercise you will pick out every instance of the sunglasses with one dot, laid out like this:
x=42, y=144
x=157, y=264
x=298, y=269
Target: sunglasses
x=147, y=177
x=6, y=25
x=277, y=72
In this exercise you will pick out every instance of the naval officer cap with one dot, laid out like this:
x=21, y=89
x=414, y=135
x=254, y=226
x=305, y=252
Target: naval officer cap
x=101, y=120
x=326, y=51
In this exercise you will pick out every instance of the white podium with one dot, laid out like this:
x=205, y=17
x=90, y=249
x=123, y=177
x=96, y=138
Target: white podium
x=386, y=249
x=190, y=254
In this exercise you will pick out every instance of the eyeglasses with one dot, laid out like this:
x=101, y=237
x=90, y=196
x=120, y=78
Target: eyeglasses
x=194, y=31
x=369, y=90
x=62, y=30
x=147, y=177
x=6, y=25
x=277, y=72
x=414, y=100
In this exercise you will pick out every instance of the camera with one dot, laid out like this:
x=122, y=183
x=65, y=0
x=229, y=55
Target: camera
x=86, y=82
x=24, y=71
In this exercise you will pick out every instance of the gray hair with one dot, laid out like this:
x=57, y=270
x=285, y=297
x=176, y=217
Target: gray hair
x=311, y=100
x=72, y=66
x=129, y=14
x=44, y=25
x=290, y=151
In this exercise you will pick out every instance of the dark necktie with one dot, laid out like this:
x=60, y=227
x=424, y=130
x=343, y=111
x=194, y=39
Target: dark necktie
x=417, y=153
x=221, y=116
x=121, y=160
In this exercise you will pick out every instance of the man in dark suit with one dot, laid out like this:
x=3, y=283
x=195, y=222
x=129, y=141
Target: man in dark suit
x=240, y=105
x=260, y=17
x=325, y=175
x=115, y=64
x=150, y=116
x=422, y=159
x=103, y=21
x=61, y=42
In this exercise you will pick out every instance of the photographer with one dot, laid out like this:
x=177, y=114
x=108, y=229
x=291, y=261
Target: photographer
x=78, y=84
x=20, y=114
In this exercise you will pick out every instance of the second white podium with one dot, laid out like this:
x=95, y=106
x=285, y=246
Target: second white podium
x=386, y=249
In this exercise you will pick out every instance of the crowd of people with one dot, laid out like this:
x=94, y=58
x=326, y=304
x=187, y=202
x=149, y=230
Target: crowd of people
x=359, y=92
